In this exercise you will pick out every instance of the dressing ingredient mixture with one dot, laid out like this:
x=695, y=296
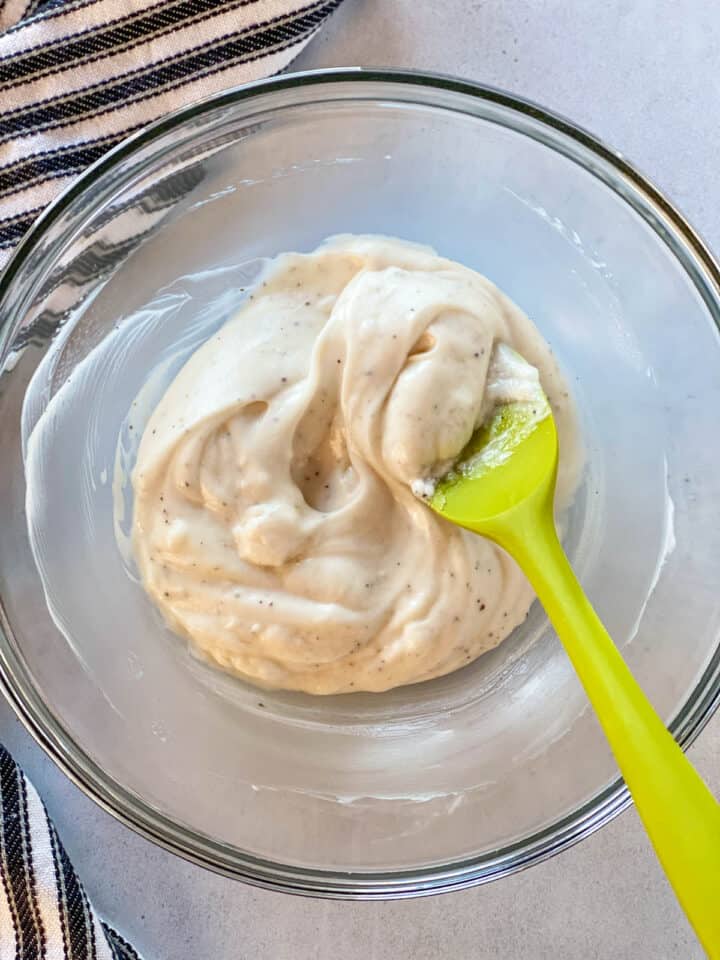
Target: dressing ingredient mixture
x=277, y=521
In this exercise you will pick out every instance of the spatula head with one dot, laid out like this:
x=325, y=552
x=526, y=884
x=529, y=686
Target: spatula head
x=512, y=457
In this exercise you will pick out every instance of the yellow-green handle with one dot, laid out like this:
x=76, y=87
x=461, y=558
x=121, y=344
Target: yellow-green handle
x=680, y=814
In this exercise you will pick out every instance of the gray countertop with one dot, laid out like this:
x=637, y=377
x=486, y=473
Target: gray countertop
x=643, y=75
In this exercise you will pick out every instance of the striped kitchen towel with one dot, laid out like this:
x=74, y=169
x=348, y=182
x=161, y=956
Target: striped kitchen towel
x=76, y=77
x=44, y=911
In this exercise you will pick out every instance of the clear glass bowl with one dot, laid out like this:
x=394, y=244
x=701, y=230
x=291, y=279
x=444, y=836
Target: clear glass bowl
x=430, y=787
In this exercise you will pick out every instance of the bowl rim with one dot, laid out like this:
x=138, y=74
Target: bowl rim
x=222, y=858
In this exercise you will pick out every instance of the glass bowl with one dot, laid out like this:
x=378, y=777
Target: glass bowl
x=429, y=787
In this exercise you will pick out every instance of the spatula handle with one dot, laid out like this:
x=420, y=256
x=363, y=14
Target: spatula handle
x=680, y=814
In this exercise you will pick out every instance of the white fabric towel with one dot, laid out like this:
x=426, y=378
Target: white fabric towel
x=78, y=76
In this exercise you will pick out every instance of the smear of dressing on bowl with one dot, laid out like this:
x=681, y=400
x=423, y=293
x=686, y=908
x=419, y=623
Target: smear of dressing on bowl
x=274, y=522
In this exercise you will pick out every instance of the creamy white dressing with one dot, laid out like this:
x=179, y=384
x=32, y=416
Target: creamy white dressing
x=275, y=524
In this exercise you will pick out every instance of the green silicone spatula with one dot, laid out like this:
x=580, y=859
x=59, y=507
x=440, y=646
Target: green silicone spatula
x=503, y=488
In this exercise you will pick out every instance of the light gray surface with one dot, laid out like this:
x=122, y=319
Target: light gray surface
x=643, y=75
